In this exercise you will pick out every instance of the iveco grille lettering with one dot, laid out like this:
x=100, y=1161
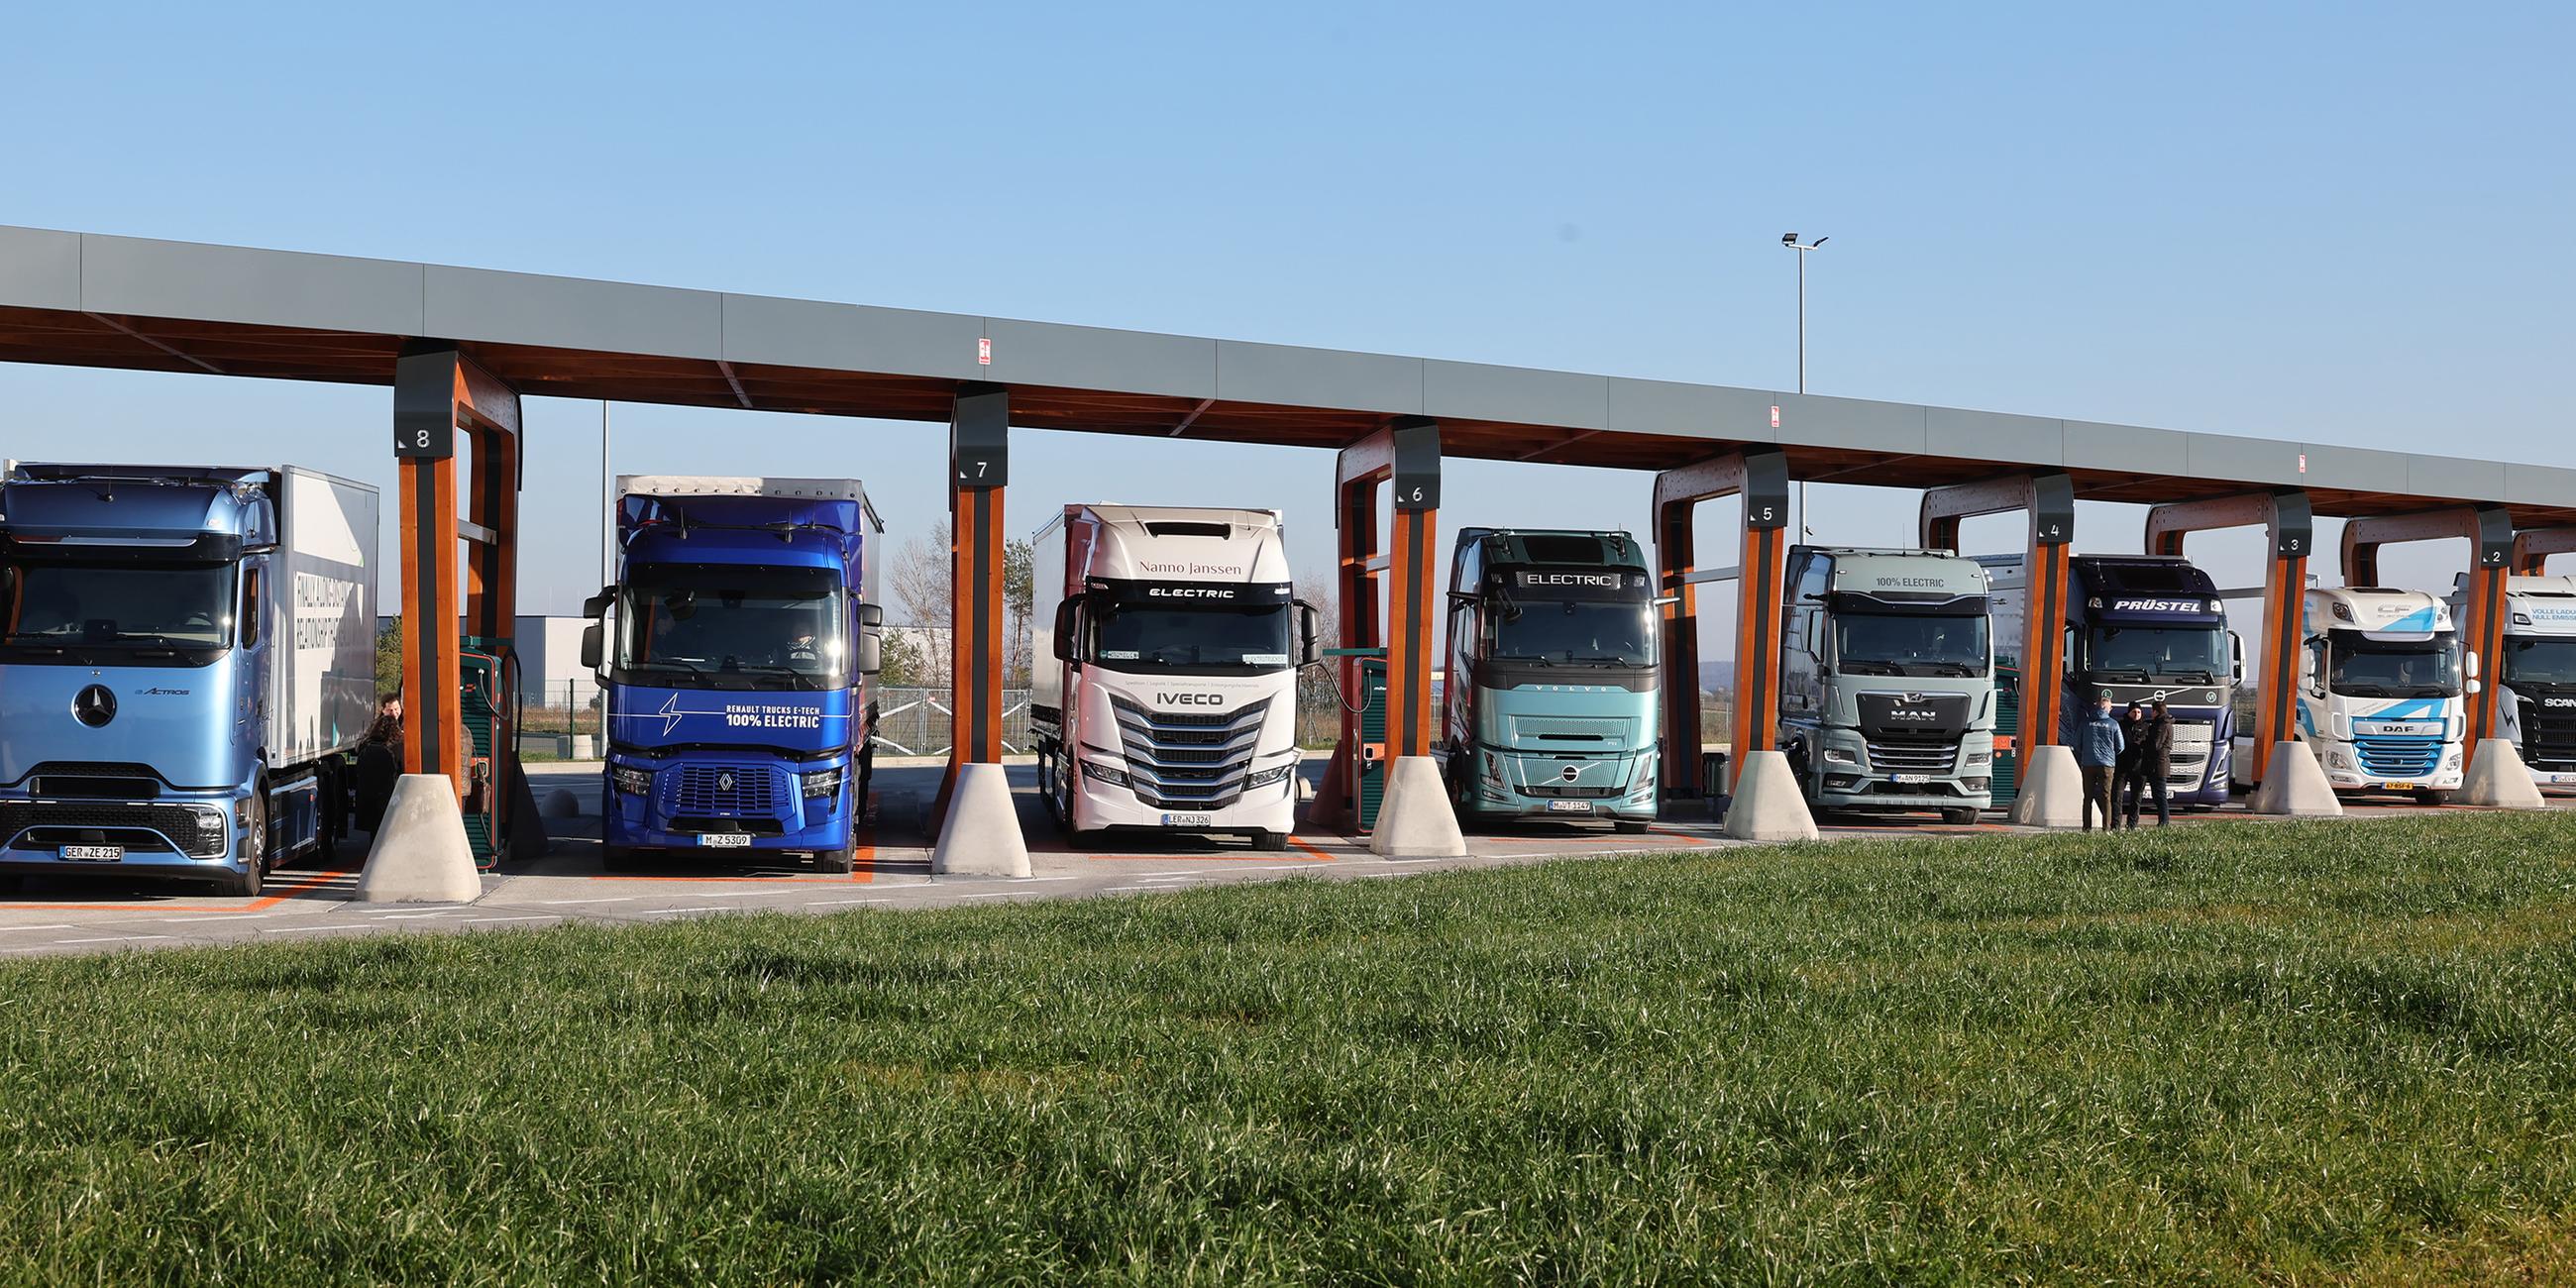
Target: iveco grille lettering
x=1190, y=699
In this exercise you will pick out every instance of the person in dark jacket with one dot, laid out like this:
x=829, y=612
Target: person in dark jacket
x=2151, y=762
x=380, y=762
x=2097, y=754
x=2124, y=782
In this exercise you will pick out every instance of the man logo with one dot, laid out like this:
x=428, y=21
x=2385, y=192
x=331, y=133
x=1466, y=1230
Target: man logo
x=94, y=706
x=1914, y=699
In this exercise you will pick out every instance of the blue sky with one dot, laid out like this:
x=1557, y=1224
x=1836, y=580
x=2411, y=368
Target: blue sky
x=2331, y=222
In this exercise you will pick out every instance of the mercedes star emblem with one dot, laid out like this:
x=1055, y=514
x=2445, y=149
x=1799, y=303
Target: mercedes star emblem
x=94, y=706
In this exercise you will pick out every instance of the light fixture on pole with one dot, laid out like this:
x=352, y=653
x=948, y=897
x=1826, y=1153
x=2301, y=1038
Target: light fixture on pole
x=1791, y=241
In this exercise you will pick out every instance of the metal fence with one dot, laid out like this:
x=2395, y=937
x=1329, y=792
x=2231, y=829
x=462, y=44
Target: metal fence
x=918, y=722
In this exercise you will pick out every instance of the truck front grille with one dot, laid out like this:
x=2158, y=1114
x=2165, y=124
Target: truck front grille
x=1527, y=731
x=2188, y=763
x=148, y=829
x=726, y=793
x=1187, y=760
x=2548, y=737
x=106, y=780
x=1896, y=754
x=2398, y=757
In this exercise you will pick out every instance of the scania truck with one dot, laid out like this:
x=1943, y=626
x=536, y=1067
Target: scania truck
x=1550, y=709
x=736, y=650
x=189, y=651
x=2536, y=676
x=1167, y=700
x=2381, y=682
x=2143, y=628
x=1887, y=692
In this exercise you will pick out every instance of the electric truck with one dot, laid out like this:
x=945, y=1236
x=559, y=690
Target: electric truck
x=2380, y=694
x=2536, y=675
x=2143, y=628
x=1167, y=700
x=737, y=651
x=1887, y=693
x=189, y=651
x=1551, y=708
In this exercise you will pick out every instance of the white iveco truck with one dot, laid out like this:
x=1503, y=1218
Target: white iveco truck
x=1168, y=701
x=2381, y=680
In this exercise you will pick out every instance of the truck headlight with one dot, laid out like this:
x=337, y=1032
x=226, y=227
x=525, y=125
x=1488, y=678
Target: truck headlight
x=820, y=783
x=1094, y=769
x=1981, y=757
x=1268, y=777
x=1840, y=756
x=630, y=780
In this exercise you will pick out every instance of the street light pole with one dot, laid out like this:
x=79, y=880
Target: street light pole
x=1791, y=241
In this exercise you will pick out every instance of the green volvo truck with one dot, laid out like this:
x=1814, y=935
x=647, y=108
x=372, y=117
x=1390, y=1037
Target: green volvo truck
x=1549, y=705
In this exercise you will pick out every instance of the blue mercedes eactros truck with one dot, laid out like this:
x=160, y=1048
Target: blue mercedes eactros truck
x=736, y=652
x=188, y=652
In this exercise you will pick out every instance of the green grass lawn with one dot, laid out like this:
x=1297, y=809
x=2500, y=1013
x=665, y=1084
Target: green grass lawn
x=2289, y=1053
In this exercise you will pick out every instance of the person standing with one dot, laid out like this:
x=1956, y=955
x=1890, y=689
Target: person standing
x=2097, y=754
x=2152, y=764
x=2124, y=782
x=380, y=762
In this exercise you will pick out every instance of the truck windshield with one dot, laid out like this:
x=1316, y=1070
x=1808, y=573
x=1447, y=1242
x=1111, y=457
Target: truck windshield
x=2159, y=652
x=2368, y=668
x=1209, y=637
x=732, y=627
x=1909, y=644
x=102, y=610
x=1575, y=632
x=2530, y=659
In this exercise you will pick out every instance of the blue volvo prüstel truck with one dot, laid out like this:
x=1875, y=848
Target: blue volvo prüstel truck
x=2143, y=627
x=1550, y=705
x=188, y=651
x=736, y=651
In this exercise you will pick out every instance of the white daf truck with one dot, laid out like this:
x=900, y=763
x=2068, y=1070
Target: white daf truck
x=2536, y=675
x=2380, y=692
x=1168, y=701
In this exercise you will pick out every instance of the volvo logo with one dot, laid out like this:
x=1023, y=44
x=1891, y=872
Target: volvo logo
x=94, y=706
x=1571, y=772
x=724, y=781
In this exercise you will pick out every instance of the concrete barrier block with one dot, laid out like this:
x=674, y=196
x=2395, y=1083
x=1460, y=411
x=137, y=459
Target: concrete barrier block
x=421, y=854
x=1767, y=805
x=2498, y=778
x=562, y=803
x=1415, y=820
x=2294, y=785
x=980, y=835
x=2050, y=792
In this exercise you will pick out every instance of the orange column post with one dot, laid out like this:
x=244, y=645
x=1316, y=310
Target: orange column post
x=2289, y=529
x=979, y=461
x=2049, y=498
x=1761, y=476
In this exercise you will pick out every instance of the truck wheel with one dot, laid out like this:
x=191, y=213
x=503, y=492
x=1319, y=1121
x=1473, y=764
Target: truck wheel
x=1047, y=772
x=619, y=858
x=1273, y=841
x=1629, y=826
x=245, y=883
x=833, y=860
x=1959, y=817
x=2427, y=796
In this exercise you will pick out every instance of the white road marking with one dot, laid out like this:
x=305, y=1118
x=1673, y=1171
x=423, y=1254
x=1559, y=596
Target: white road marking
x=1016, y=880
x=998, y=894
x=65, y=925
x=1185, y=872
x=486, y=921
x=664, y=912
x=415, y=916
x=621, y=898
x=835, y=903
x=300, y=930
x=226, y=916
x=108, y=939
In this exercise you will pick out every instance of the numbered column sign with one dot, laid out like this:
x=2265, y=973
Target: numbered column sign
x=979, y=439
x=425, y=404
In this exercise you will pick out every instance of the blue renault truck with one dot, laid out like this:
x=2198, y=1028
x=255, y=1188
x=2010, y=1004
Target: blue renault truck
x=188, y=653
x=736, y=651
x=2143, y=628
x=1550, y=706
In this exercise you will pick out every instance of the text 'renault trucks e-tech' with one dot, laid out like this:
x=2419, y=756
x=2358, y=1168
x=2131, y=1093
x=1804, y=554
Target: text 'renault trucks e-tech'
x=189, y=651
x=737, y=653
x=2142, y=628
x=2381, y=679
x=2536, y=674
x=1550, y=707
x=1887, y=694
x=1164, y=696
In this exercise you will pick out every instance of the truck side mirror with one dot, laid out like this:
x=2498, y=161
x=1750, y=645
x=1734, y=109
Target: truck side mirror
x=1307, y=654
x=591, y=645
x=871, y=654
x=2236, y=654
x=1064, y=622
x=871, y=616
x=2470, y=662
x=2476, y=686
x=597, y=604
x=1463, y=598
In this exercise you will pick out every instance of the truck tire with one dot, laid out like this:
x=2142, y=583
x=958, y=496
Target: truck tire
x=1271, y=841
x=245, y=884
x=619, y=858
x=2427, y=796
x=1629, y=826
x=1959, y=817
x=833, y=860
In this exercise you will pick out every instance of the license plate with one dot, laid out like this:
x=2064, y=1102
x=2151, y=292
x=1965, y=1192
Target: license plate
x=1569, y=807
x=1911, y=780
x=1188, y=820
x=93, y=853
x=2395, y=785
x=725, y=840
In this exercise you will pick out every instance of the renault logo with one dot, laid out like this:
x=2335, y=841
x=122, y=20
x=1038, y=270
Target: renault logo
x=724, y=781
x=94, y=706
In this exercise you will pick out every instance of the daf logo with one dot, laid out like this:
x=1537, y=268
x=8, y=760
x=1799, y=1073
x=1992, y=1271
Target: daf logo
x=724, y=781
x=1190, y=699
x=94, y=706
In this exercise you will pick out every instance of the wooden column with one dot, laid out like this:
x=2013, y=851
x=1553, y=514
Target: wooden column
x=979, y=465
x=2491, y=561
x=1761, y=476
x=2290, y=532
x=2048, y=496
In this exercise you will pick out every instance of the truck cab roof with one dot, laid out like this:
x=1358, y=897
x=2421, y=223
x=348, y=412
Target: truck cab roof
x=2533, y=605
x=2377, y=612
x=158, y=506
x=1895, y=574
x=1182, y=543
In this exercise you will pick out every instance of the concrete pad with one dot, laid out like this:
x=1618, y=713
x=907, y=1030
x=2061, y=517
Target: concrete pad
x=2295, y=786
x=1415, y=820
x=1767, y=805
x=2497, y=777
x=421, y=854
x=2051, y=790
x=980, y=836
